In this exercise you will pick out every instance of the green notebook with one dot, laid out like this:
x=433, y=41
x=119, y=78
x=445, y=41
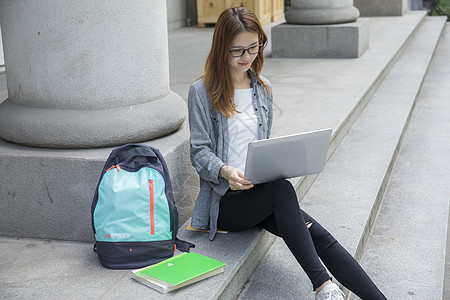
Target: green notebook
x=178, y=271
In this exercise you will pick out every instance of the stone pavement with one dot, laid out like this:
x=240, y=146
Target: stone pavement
x=310, y=94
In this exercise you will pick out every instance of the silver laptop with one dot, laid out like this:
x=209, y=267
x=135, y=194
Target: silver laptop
x=287, y=156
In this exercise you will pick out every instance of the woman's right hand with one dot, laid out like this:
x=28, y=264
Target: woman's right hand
x=235, y=178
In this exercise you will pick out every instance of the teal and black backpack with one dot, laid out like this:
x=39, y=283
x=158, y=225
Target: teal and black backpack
x=134, y=216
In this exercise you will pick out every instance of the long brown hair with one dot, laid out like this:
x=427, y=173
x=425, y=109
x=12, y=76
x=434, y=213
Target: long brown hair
x=219, y=83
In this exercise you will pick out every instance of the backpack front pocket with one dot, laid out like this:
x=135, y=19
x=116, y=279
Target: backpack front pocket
x=132, y=206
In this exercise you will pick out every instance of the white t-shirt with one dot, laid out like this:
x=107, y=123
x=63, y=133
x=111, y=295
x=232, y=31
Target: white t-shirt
x=242, y=128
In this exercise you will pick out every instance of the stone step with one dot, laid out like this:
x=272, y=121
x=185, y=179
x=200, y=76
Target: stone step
x=405, y=252
x=346, y=196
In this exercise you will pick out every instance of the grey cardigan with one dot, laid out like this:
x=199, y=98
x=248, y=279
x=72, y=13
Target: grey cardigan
x=209, y=143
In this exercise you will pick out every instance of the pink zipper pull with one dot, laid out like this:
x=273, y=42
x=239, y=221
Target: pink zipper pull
x=152, y=208
x=118, y=168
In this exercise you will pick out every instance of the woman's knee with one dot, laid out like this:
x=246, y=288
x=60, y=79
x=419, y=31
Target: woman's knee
x=281, y=185
x=321, y=237
x=282, y=191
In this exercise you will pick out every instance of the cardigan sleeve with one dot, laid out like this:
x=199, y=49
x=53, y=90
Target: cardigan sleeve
x=205, y=161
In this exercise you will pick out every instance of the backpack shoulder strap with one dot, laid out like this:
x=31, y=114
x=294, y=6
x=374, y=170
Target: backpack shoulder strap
x=183, y=246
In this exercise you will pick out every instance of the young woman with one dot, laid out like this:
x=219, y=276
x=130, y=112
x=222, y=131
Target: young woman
x=230, y=106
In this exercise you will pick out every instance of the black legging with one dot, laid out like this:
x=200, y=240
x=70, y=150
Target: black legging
x=274, y=206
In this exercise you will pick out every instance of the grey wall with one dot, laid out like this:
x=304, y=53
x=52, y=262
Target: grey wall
x=181, y=13
x=177, y=12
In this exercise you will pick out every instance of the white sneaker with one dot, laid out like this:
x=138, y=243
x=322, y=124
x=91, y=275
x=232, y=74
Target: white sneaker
x=330, y=292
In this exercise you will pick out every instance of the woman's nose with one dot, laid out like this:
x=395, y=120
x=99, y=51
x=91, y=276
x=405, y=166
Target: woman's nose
x=246, y=53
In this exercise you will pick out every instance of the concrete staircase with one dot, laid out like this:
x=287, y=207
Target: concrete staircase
x=347, y=196
x=381, y=107
x=406, y=249
x=383, y=197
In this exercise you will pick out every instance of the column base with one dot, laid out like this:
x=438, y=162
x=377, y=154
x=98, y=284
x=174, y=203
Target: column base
x=370, y=8
x=62, y=128
x=349, y=40
x=47, y=193
x=321, y=16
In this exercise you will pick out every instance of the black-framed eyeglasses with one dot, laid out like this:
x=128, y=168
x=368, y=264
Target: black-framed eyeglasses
x=251, y=50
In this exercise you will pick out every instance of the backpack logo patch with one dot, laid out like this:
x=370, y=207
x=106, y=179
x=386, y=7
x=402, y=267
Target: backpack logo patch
x=118, y=236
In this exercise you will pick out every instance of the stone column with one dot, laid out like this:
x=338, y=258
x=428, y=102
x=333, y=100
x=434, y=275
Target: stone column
x=84, y=74
x=321, y=29
x=317, y=12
